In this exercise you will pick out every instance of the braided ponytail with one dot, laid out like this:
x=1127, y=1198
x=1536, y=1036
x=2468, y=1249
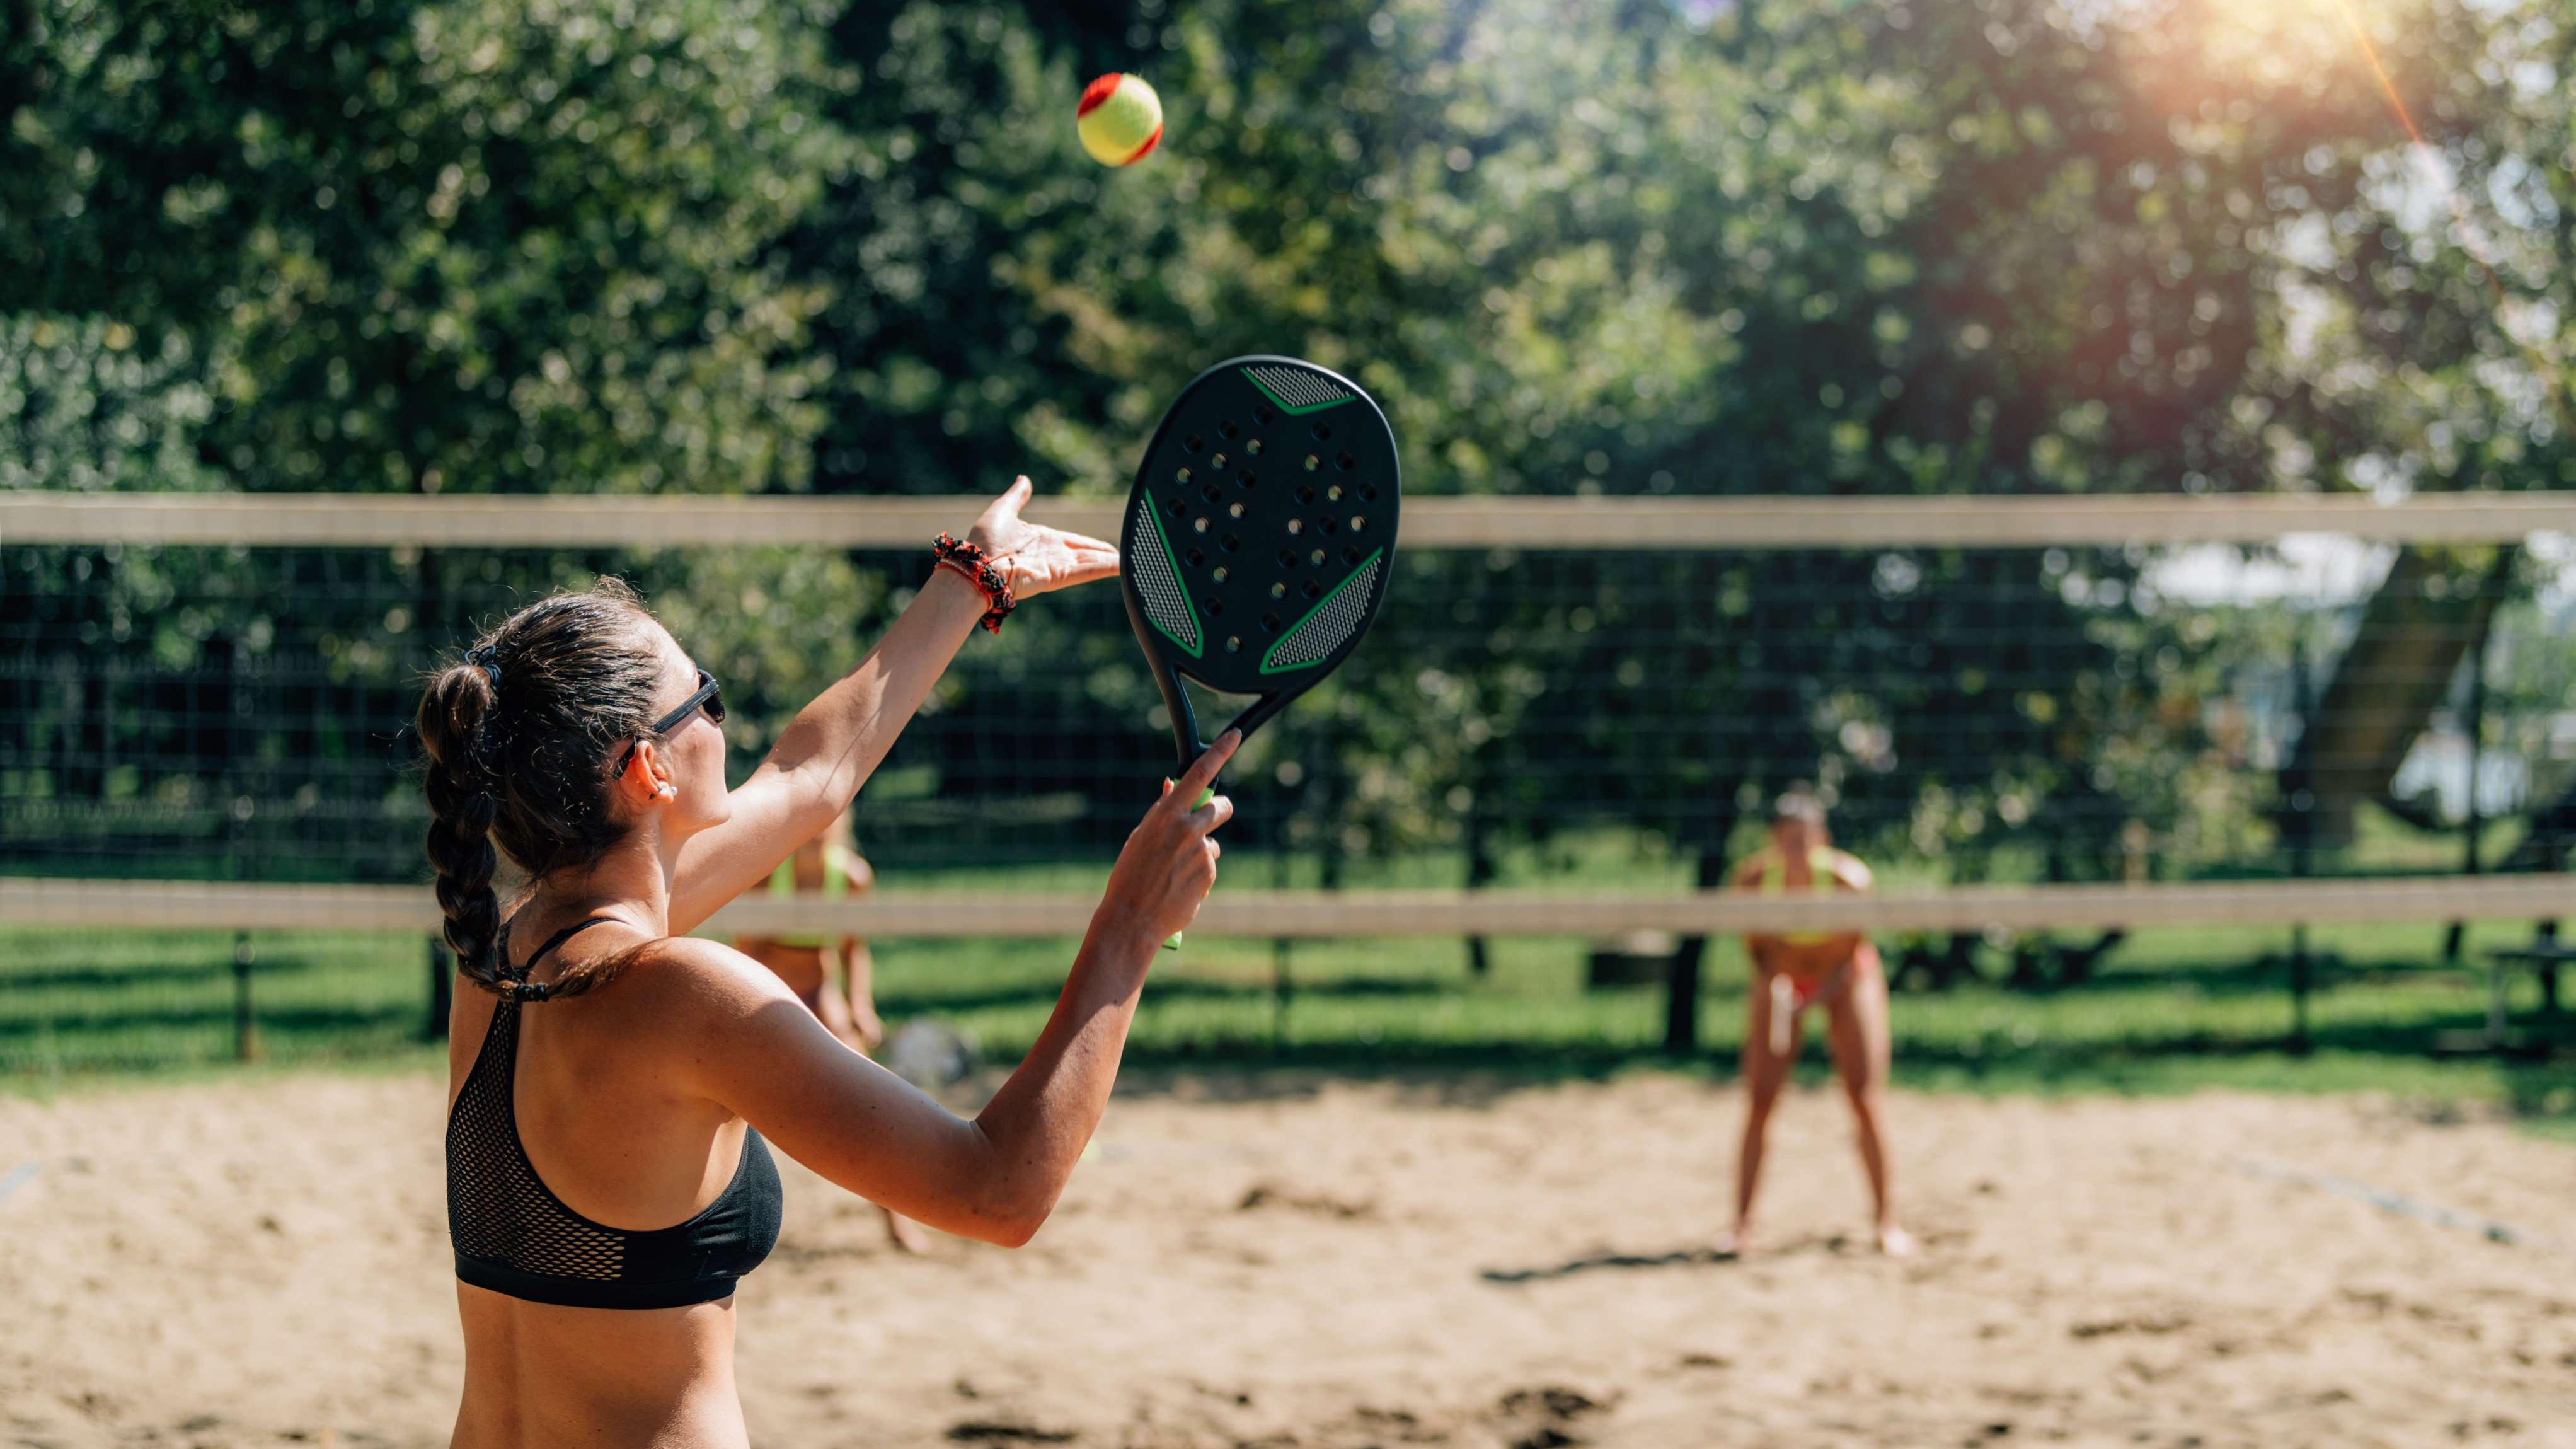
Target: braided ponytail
x=526, y=774
x=455, y=714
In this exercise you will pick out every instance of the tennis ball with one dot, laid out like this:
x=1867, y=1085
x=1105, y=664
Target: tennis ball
x=1120, y=119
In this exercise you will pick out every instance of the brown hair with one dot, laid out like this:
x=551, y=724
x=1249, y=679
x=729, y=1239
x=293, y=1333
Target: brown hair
x=1801, y=804
x=519, y=735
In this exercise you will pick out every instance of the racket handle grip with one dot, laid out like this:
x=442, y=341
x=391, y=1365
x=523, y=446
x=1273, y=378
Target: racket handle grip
x=1205, y=796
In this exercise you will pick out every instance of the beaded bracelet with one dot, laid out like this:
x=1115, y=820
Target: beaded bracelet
x=983, y=573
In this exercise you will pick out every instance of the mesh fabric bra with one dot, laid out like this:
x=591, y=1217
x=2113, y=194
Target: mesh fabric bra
x=514, y=1236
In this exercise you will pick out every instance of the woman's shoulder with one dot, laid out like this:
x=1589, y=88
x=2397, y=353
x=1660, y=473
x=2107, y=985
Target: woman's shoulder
x=704, y=1015
x=690, y=977
x=1852, y=871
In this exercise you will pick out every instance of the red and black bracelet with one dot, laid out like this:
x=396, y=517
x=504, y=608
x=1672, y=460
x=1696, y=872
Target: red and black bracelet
x=983, y=573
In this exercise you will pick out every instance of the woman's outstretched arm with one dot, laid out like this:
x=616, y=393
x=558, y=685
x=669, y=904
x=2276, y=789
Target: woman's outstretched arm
x=997, y=1176
x=836, y=742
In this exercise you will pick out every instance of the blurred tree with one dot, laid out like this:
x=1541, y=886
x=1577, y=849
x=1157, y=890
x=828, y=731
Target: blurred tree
x=377, y=245
x=952, y=376
x=85, y=405
x=1796, y=248
x=472, y=245
x=1769, y=246
x=2419, y=338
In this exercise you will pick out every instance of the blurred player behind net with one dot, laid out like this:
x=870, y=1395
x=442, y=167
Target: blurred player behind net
x=1838, y=971
x=835, y=979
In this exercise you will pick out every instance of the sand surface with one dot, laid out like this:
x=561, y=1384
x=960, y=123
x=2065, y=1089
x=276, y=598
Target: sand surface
x=1276, y=1262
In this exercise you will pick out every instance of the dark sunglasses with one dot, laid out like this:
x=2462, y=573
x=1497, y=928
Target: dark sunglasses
x=709, y=697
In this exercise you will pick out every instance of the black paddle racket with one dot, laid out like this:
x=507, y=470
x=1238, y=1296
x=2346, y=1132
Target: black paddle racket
x=1260, y=536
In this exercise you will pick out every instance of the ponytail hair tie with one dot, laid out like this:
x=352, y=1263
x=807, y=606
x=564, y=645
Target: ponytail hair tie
x=484, y=747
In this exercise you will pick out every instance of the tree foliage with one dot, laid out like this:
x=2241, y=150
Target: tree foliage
x=1714, y=247
x=484, y=247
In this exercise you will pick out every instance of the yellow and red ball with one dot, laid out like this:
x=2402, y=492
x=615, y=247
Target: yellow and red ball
x=1120, y=119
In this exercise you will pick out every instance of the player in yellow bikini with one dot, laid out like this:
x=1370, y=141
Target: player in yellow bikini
x=1839, y=972
x=831, y=865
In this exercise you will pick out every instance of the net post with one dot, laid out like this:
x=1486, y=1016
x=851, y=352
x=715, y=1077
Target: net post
x=1480, y=874
x=1280, y=949
x=245, y=1021
x=2299, y=985
x=2453, y=939
x=1681, y=998
x=2303, y=837
x=442, y=984
x=2546, y=933
x=1682, y=982
x=1280, y=990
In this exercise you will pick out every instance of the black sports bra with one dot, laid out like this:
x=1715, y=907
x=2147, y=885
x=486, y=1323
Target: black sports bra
x=514, y=1236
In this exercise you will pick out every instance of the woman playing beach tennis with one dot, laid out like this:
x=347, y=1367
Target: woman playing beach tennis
x=616, y=1083
x=1836, y=971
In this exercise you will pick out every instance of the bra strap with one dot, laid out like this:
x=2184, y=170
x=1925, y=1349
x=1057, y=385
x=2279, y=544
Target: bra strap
x=521, y=988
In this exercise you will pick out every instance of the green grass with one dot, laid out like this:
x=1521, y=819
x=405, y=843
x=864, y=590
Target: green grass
x=2172, y=1010
x=77, y=1002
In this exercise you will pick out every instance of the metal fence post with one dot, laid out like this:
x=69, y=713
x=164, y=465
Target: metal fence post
x=442, y=984
x=2303, y=842
x=245, y=1023
x=1682, y=981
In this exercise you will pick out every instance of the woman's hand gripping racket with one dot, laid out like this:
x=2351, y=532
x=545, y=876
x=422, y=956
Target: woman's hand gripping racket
x=1259, y=538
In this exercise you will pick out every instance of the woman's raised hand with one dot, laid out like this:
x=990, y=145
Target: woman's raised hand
x=1035, y=558
x=1169, y=861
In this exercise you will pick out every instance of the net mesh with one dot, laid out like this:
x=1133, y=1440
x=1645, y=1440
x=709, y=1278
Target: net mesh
x=1611, y=717
x=2000, y=715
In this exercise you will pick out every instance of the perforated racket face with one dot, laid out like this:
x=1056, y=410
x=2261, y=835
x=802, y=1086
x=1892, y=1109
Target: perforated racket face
x=1260, y=534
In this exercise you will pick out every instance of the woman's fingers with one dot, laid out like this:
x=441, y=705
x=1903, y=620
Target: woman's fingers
x=1074, y=545
x=1003, y=513
x=1170, y=861
x=1046, y=559
x=1203, y=770
x=1090, y=571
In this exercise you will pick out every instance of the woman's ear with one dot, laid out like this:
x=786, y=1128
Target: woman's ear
x=645, y=779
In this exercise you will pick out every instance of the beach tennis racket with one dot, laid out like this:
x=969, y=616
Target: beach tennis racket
x=1259, y=538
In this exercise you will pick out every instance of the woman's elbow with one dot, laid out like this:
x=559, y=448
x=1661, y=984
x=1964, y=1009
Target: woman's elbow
x=1007, y=1226
x=1016, y=1232
x=1008, y=1215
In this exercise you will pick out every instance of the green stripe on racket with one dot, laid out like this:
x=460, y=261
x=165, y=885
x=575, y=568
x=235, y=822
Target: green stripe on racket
x=1259, y=538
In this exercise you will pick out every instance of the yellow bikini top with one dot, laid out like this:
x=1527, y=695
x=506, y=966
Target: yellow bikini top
x=836, y=881
x=1822, y=880
x=782, y=886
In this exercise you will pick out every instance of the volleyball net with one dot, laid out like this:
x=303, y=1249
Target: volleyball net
x=2031, y=714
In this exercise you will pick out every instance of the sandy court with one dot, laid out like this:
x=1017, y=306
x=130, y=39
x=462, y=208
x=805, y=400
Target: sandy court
x=1277, y=1262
